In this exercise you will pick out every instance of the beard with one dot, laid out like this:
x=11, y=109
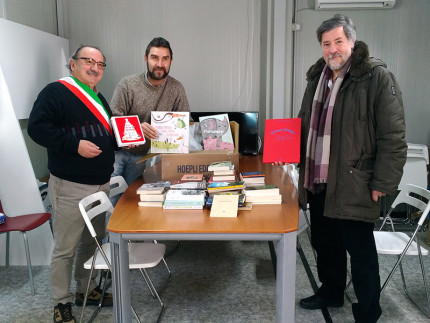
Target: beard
x=155, y=76
x=334, y=66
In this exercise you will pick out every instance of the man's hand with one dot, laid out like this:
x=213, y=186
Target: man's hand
x=279, y=163
x=88, y=150
x=376, y=195
x=149, y=131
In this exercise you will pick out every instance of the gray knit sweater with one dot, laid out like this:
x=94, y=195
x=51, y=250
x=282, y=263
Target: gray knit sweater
x=134, y=95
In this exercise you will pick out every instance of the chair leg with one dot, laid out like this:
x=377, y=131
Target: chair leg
x=144, y=273
x=99, y=306
x=27, y=253
x=87, y=290
x=168, y=276
x=425, y=311
x=147, y=282
x=135, y=314
x=400, y=258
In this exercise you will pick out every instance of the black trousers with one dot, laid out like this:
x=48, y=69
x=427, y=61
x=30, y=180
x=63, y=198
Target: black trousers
x=332, y=239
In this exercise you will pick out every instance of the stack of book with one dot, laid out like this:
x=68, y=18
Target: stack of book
x=222, y=172
x=263, y=194
x=177, y=199
x=252, y=178
x=152, y=194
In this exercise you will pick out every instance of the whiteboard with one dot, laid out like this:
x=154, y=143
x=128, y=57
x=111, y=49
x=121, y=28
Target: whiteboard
x=30, y=59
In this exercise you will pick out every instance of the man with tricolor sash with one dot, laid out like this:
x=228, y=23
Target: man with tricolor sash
x=71, y=118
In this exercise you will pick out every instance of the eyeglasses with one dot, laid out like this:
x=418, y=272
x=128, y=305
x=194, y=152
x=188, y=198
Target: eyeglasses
x=91, y=62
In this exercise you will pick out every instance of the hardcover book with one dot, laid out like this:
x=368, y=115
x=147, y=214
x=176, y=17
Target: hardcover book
x=172, y=132
x=216, y=132
x=282, y=140
x=127, y=130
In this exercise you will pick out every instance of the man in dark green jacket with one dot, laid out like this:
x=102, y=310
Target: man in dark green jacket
x=352, y=152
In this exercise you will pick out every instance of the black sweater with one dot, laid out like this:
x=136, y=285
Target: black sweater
x=58, y=121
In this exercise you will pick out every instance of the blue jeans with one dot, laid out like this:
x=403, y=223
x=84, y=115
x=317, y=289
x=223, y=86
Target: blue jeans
x=125, y=166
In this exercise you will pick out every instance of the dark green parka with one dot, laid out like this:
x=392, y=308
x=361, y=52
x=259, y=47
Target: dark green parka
x=368, y=147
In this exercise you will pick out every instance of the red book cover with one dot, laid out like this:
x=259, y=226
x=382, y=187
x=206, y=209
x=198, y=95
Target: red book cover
x=282, y=140
x=127, y=130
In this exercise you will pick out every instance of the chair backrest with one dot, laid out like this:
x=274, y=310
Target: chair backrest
x=415, y=169
x=413, y=195
x=96, y=203
x=418, y=151
x=118, y=185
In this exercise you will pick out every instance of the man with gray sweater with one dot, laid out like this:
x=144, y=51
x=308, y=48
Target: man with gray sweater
x=139, y=94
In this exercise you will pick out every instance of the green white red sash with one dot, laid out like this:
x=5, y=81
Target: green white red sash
x=89, y=100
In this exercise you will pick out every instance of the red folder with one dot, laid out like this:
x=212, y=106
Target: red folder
x=282, y=140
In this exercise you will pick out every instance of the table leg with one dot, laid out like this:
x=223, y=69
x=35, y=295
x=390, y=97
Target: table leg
x=286, y=278
x=120, y=278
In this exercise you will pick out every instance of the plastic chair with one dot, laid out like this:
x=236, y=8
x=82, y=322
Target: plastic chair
x=23, y=223
x=400, y=244
x=141, y=255
x=118, y=185
x=414, y=172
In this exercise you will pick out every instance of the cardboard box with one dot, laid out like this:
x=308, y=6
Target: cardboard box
x=174, y=166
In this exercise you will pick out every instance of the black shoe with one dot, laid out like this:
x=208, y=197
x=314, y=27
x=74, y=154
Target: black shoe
x=94, y=298
x=63, y=313
x=316, y=302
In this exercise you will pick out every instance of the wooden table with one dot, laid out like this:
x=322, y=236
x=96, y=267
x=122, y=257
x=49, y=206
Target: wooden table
x=263, y=223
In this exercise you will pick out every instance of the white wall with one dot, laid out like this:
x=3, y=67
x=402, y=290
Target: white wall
x=398, y=36
x=216, y=45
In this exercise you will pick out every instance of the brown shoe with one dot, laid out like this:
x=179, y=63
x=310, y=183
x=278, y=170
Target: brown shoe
x=94, y=298
x=63, y=313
